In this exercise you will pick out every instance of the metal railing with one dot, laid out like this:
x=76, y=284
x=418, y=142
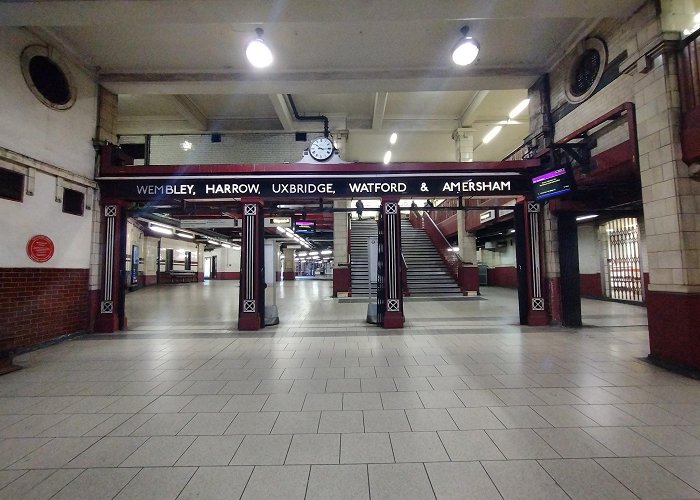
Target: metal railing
x=451, y=259
x=404, y=276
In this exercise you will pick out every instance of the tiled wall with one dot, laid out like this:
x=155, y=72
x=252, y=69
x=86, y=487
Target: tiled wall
x=233, y=148
x=649, y=80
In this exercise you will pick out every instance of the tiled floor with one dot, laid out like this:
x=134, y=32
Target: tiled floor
x=462, y=403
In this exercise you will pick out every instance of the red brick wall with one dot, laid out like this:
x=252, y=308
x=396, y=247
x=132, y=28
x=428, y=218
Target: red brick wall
x=502, y=276
x=228, y=275
x=591, y=285
x=37, y=305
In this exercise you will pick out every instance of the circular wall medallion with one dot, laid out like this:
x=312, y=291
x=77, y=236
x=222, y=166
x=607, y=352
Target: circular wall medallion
x=586, y=70
x=40, y=248
x=47, y=77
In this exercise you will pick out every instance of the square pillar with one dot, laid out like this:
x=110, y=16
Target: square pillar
x=528, y=220
x=342, y=282
x=392, y=272
x=468, y=270
x=110, y=314
x=251, y=299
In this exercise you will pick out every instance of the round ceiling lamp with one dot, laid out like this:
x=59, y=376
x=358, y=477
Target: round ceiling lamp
x=257, y=52
x=466, y=50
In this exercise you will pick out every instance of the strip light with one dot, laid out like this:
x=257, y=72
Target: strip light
x=492, y=133
x=519, y=108
x=161, y=230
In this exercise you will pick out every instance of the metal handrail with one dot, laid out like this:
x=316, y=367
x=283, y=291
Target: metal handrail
x=447, y=243
x=404, y=275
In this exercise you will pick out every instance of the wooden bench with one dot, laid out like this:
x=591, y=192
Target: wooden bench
x=182, y=276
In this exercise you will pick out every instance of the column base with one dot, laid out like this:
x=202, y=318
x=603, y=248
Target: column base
x=469, y=280
x=674, y=336
x=393, y=320
x=106, y=323
x=249, y=322
x=341, y=280
x=537, y=318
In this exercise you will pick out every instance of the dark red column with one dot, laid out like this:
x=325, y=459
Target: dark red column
x=251, y=300
x=530, y=264
x=110, y=315
x=393, y=290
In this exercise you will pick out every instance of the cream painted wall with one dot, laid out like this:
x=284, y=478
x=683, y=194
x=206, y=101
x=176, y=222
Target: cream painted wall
x=60, y=138
x=370, y=146
x=589, y=258
x=179, y=248
x=228, y=260
x=41, y=214
x=500, y=256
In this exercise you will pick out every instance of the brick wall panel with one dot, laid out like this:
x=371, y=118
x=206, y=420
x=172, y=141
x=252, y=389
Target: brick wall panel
x=37, y=305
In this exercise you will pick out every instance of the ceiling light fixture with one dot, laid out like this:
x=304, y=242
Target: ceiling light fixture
x=186, y=145
x=466, y=50
x=257, y=52
x=161, y=230
x=492, y=133
x=185, y=235
x=387, y=157
x=519, y=108
x=393, y=137
x=585, y=217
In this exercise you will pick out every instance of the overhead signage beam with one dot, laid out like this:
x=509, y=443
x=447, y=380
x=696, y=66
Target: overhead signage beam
x=284, y=187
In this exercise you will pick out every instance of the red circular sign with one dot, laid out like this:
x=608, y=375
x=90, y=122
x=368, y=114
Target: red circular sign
x=40, y=248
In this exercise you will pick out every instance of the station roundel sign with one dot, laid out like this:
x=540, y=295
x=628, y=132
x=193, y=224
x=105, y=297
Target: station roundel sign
x=40, y=248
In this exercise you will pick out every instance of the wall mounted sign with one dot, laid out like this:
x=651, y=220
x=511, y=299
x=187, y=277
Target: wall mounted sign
x=346, y=186
x=134, y=265
x=40, y=248
x=487, y=215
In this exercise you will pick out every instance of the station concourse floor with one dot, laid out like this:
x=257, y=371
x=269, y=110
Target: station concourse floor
x=461, y=403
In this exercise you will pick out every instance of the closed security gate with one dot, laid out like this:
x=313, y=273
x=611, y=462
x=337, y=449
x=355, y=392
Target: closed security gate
x=623, y=274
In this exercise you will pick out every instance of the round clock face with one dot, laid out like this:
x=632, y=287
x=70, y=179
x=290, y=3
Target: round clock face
x=321, y=149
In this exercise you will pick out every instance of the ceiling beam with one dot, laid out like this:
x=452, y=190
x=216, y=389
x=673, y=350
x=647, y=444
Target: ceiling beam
x=190, y=112
x=331, y=82
x=250, y=14
x=469, y=113
x=279, y=102
x=380, y=99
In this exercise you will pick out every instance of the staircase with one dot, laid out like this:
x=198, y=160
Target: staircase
x=361, y=230
x=427, y=274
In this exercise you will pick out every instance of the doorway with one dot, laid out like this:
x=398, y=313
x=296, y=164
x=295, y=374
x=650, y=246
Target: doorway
x=622, y=265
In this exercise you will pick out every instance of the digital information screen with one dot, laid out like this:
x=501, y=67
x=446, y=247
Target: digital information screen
x=304, y=227
x=550, y=184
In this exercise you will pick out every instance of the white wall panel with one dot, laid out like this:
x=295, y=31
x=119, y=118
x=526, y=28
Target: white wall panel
x=60, y=138
x=41, y=214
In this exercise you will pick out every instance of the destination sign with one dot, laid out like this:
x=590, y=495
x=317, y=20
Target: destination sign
x=339, y=187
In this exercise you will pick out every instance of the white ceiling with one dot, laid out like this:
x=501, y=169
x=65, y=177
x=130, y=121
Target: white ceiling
x=375, y=66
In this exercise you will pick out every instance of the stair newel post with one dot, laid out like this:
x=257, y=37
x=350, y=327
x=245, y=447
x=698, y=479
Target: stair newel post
x=390, y=214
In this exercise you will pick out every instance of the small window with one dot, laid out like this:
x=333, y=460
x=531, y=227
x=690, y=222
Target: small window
x=73, y=201
x=11, y=185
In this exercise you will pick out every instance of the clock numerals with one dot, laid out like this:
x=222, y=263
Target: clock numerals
x=321, y=149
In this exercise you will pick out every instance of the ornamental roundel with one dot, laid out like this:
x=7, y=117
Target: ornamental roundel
x=586, y=70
